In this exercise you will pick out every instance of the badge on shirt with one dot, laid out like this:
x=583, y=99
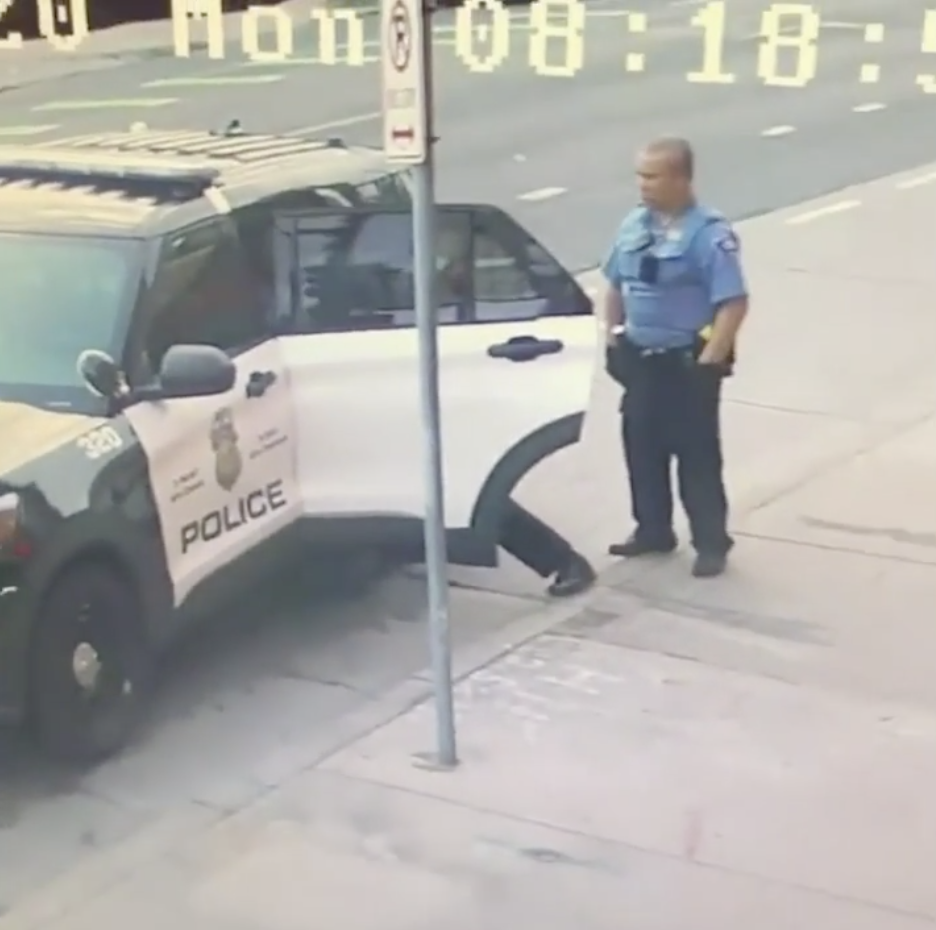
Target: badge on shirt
x=728, y=243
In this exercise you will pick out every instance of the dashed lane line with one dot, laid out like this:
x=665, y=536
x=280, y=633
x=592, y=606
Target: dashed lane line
x=775, y=131
x=105, y=103
x=918, y=181
x=542, y=193
x=810, y=216
x=370, y=57
x=20, y=132
x=336, y=123
x=220, y=80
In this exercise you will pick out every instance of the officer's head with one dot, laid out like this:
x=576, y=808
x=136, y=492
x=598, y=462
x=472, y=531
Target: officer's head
x=664, y=173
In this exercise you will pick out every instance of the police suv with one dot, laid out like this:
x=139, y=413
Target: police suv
x=207, y=356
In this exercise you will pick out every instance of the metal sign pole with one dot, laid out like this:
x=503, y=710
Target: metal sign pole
x=408, y=139
x=424, y=266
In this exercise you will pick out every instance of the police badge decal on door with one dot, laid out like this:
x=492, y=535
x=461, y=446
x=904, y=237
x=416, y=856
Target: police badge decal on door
x=222, y=469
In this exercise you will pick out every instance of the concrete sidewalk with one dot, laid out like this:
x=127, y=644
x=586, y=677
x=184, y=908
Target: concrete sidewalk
x=604, y=784
x=754, y=750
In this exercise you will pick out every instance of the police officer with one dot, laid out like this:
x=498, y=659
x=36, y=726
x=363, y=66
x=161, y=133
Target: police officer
x=675, y=300
x=541, y=548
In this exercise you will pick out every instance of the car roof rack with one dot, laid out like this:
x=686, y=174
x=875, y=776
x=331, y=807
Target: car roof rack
x=21, y=163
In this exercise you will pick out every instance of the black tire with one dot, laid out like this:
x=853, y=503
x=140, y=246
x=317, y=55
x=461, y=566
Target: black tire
x=82, y=723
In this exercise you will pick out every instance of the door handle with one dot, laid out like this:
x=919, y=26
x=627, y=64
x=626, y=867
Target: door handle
x=524, y=348
x=259, y=382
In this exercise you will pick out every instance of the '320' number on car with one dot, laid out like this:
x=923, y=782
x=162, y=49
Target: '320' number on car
x=100, y=442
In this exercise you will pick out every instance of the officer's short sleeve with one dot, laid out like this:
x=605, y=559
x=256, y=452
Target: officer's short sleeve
x=611, y=266
x=721, y=260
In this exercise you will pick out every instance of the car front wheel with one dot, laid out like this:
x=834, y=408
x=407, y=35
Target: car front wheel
x=89, y=665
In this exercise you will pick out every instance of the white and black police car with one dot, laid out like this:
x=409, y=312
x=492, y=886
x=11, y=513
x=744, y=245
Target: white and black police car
x=207, y=354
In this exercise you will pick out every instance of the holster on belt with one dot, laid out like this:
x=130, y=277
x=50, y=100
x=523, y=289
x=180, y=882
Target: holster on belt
x=620, y=358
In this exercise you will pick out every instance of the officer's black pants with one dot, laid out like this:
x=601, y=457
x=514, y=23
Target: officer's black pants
x=671, y=410
x=534, y=543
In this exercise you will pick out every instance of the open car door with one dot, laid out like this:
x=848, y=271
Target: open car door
x=516, y=355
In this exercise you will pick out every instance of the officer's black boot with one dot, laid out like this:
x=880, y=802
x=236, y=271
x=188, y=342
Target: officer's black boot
x=575, y=576
x=711, y=563
x=638, y=544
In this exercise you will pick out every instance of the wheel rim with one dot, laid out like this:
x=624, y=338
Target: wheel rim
x=86, y=667
x=98, y=672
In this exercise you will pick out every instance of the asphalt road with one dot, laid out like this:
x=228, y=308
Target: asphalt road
x=557, y=150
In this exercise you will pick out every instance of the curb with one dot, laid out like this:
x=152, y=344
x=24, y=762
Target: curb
x=101, y=872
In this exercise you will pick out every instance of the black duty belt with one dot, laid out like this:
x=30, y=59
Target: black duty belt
x=623, y=355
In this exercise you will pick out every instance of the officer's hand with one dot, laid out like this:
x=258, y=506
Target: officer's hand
x=613, y=335
x=707, y=357
x=709, y=372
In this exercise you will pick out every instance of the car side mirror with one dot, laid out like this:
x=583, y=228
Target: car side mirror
x=195, y=371
x=100, y=373
x=186, y=371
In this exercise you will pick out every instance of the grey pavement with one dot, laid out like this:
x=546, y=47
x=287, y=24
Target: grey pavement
x=661, y=752
x=511, y=135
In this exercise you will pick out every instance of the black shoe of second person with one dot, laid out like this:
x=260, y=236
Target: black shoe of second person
x=637, y=545
x=575, y=576
x=709, y=564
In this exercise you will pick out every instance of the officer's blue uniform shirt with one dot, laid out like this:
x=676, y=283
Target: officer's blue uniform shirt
x=697, y=270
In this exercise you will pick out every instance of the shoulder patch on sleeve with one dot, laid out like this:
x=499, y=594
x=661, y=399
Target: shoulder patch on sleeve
x=727, y=241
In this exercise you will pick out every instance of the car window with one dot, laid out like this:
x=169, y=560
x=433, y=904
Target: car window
x=498, y=275
x=515, y=277
x=354, y=271
x=61, y=295
x=325, y=219
x=363, y=278
x=204, y=293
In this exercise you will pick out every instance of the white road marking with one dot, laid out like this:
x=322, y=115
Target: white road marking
x=791, y=29
x=336, y=123
x=869, y=107
x=20, y=131
x=108, y=103
x=840, y=207
x=778, y=131
x=216, y=81
x=371, y=51
x=918, y=181
x=542, y=193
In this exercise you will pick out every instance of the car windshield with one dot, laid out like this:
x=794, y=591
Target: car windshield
x=60, y=295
